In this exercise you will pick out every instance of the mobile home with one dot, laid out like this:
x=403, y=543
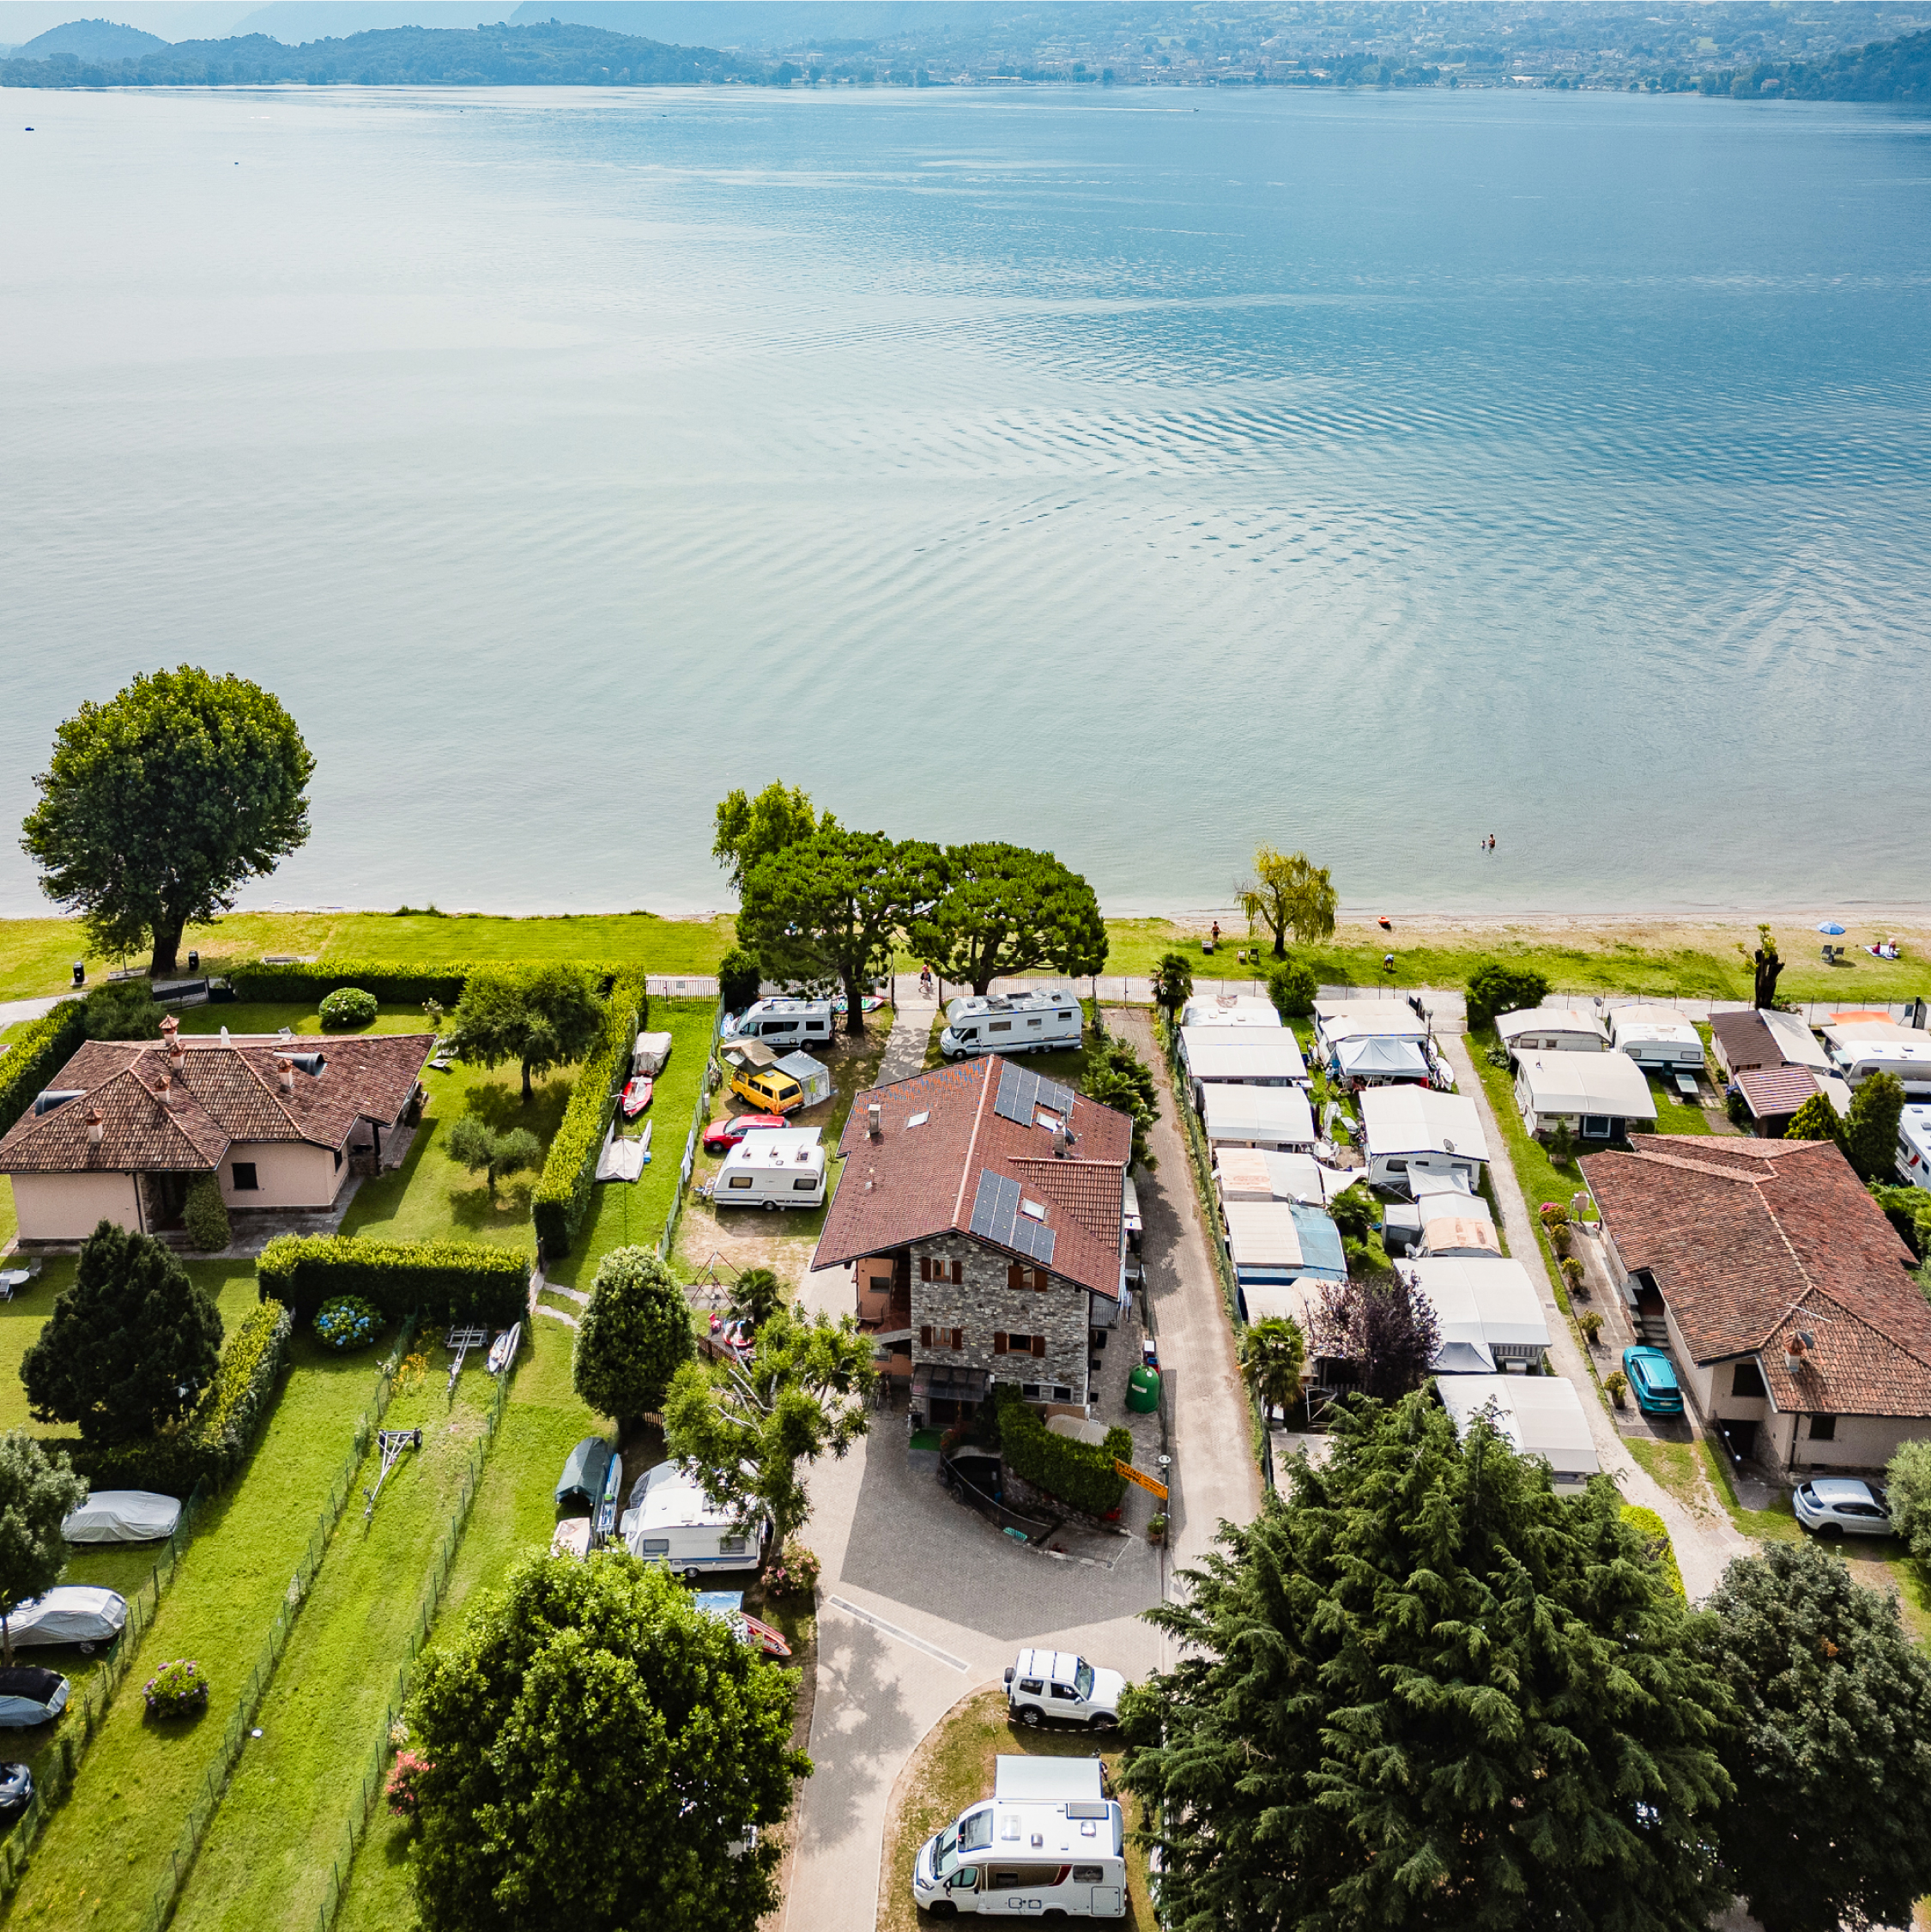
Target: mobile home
x=1860, y=1048
x=1538, y=1414
x=1048, y=1842
x=1552, y=1029
x=783, y=1022
x=1597, y=1095
x=672, y=1520
x=1656, y=1036
x=1277, y=1117
x=1049, y=1022
x=1335, y=1020
x=1914, y=1147
x=772, y=1170
x=1229, y=1009
x=1407, y=1131
x=1488, y=1311
x=1240, y=1057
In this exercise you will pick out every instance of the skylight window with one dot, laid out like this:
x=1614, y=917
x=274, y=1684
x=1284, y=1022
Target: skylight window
x=919, y=1119
x=1036, y=1209
x=1049, y=1121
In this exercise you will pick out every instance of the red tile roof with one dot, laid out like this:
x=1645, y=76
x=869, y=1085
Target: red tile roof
x=914, y=1183
x=221, y=1094
x=1753, y=1241
x=1773, y=1092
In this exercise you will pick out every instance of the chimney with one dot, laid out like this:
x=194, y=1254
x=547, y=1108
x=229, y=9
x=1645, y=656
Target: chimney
x=97, y=1125
x=165, y=1090
x=1796, y=1351
x=285, y=1072
x=1059, y=1141
x=874, y=1120
x=169, y=1027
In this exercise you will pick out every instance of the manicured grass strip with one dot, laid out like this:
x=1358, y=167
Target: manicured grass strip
x=513, y=1515
x=270, y=1857
x=107, y=1852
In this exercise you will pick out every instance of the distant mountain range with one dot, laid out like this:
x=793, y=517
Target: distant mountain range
x=92, y=39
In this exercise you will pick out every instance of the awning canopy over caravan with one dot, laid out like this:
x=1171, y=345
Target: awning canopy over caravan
x=1558, y=1085
x=1487, y=1309
x=1470, y=1232
x=813, y=1075
x=1267, y=1116
x=1335, y=1020
x=1556, y=1029
x=1405, y=1120
x=1381, y=1059
x=1539, y=1414
x=1280, y=1240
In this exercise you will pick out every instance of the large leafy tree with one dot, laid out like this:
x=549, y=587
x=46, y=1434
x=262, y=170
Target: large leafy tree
x=1907, y=1487
x=750, y=1428
x=1816, y=1120
x=1386, y=1325
x=1496, y=987
x=825, y=910
x=1005, y=910
x=634, y=1336
x=129, y=1347
x=475, y=1144
x=38, y=1492
x=749, y=829
x=160, y=804
x=1289, y=894
x=591, y=1703
x=1832, y=1761
x=1422, y=1691
x=542, y=1017
x=1877, y=1105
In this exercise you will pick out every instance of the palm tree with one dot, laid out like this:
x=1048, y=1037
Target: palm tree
x=1271, y=1355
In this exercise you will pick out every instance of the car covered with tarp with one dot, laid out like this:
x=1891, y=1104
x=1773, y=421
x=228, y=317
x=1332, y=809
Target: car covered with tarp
x=31, y=1696
x=123, y=1516
x=72, y=1614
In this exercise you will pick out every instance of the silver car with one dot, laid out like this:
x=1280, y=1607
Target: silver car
x=1841, y=1506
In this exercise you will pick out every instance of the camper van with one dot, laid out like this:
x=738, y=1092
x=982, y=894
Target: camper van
x=1859, y=1048
x=772, y=1170
x=783, y=1022
x=1046, y=1022
x=1048, y=1842
x=672, y=1521
x=779, y=1086
x=1914, y=1147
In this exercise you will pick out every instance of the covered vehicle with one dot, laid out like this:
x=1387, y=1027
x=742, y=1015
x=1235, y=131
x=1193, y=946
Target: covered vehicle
x=1652, y=1381
x=652, y=1053
x=722, y=1136
x=636, y=1095
x=123, y=1516
x=31, y=1696
x=16, y=1790
x=1842, y=1507
x=585, y=1473
x=73, y=1614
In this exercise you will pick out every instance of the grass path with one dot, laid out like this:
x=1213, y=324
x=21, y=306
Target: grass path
x=513, y=1515
x=109, y=1847
x=268, y=1856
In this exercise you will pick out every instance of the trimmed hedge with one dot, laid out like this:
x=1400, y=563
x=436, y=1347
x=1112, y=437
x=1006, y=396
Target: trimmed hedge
x=35, y=1054
x=561, y=1196
x=1080, y=1474
x=394, y=983
x=213, y=1440
x=443, y=1282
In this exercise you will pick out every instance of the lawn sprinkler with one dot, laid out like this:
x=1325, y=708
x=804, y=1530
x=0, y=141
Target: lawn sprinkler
x=462, y=1340
x=392, y=1443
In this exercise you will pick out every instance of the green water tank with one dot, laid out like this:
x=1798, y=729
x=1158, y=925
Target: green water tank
x=1143, y=1390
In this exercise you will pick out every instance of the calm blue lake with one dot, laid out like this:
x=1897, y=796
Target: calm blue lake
x=1139, y=474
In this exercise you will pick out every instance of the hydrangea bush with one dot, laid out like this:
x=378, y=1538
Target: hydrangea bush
x=349, y=1321
x=401, y=1791
x=347, y=1006
x=794, y=1574
x=177, y=1689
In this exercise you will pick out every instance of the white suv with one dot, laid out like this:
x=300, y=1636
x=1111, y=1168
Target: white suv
x=1839, y=1506
x=1055, y=1684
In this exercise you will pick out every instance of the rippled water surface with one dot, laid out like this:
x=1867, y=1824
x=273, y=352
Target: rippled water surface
x=1138, y=474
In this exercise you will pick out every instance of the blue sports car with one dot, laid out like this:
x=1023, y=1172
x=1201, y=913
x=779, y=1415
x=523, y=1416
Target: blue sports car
x=1652, y=1381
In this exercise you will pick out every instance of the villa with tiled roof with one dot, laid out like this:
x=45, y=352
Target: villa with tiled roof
x=127, y=1125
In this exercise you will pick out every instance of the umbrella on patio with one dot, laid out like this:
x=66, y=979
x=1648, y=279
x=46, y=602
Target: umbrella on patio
x=1831, y=927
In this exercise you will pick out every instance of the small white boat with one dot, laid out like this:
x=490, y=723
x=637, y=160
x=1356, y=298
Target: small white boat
x=503, y=1350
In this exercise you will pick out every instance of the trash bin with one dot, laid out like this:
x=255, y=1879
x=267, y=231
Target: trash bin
x=1143, y=1390
x=194, y=961
x=79, y=974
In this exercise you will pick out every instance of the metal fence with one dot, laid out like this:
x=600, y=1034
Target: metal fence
x=699, y=1114
x=369, y=1793
x=201, y=1815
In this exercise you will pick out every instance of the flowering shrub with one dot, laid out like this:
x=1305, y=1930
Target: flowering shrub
x=177, y=1689
x=401, y=1791
x=349, y=1321
x=347, y=1006
x=794, y=1574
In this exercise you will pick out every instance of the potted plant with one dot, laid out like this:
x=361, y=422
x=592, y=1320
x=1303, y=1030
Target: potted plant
x=1156, y=1529
x=1591, y=1325
x=1572, y=1275
x=1562, y=1238
x=1618, y=1385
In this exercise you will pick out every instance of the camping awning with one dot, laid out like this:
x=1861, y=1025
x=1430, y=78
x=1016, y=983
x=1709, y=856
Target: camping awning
x=1381, y=1059
x=585, y=1472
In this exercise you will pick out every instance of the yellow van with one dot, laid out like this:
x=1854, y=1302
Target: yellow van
x=769, y=1090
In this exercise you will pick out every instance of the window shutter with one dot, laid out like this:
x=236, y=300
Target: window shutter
x=1016, y=1275
x=999, y=1341
x=925, y=1267
x=959, y=1338
x=957, y=1272
x=1038, y=1345
x=1041, y=1280
x=925, y=1335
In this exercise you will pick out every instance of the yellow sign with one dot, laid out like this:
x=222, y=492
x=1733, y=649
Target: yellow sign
x=1146, y=1482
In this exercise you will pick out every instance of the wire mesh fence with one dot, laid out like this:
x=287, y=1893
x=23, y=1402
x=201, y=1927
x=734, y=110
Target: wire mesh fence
x=699, y=1114
x=201, y=1814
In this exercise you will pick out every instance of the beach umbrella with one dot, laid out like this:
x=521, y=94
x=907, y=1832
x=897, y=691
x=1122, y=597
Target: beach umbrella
x=1831, y=927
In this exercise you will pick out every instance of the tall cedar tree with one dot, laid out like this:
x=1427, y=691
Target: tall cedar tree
x=128, y=1348
x=1420, y=1690
x=825, y=910
x=634, y=1334
x=1832, y=1762
x=38, y=1494
x=160, y=804
x=749, y=829
x=593, y=1704
x=543, y=1017
x=1816, y=1120
x=1005, y=910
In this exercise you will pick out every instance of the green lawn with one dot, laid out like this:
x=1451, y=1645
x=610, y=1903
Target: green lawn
x=108, y=1849
x=513, y=1516
x=1674, y=1114
x=268, y=1016
x=267, y=1858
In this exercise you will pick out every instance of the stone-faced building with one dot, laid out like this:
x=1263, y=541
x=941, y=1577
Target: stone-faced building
x=981, y=1209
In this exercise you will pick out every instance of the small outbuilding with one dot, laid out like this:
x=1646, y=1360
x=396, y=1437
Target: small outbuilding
x=1552, y=1029
x=1741, y=1040
x=1278, y=1119
x=1801, y=1047
x=1488, y=1310
x=1597, y=1096
x=1773, y=1095
x=1408, y=1129
x=1538, y=1414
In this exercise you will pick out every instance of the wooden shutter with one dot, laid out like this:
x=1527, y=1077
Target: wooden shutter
x=925, y=1335
x=1041, y=1280
x=959, y=1338
x=1038, y=1345
x=957, y=1272
x=1016, y=1275
x=925, y=1267
x=999, y=1341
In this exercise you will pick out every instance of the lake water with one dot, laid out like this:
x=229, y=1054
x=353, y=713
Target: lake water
x=1139, y=474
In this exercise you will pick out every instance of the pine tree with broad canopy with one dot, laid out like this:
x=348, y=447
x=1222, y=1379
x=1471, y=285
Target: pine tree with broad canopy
x=1420, y=1690
x=1005, y=910
x=597, y=1749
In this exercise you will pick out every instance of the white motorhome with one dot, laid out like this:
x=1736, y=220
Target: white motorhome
x=1407, y=1131
x=1656, y=1036
x=1050, y=1021
x=1914, y=1147
x=672, y=1520
x=1229, y=1009
x=1048, y=1842
x=772, y=1170
x=783, y=1022
x=1860, y=1048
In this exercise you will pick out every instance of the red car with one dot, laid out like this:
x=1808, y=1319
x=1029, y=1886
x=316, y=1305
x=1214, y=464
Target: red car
x=722, y=1136
x=637, y=1097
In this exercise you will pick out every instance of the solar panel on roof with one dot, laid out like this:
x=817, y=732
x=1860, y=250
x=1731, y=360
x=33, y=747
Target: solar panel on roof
x=1053, y=1095
x=1017, y=1090
x=995, y=1217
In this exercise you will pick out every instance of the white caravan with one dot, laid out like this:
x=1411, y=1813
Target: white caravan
x=785, y=1023
x=1656, y=1036
x=1914, y=1147
x=1048, y=1842
x=1860, y=1048
x=1046, y=1022
x=773, y=1169
x=671, y=1520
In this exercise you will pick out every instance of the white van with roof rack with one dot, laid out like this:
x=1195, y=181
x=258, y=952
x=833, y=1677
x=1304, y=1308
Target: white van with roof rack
x=1049, y=1843
x=1051, y=1021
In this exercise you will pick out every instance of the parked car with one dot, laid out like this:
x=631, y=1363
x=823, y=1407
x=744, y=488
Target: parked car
x=1652, y=1381
x=1055, y=1684
x=636, y=1096
x=16, y=1790
x=1842, y=1507
x=30, y=1696
x=722, y=1136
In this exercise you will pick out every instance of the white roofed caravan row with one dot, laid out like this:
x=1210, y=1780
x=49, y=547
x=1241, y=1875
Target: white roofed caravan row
x=1539, y=1414
x=1259, y=1174
x=1597, y=1094
x=1488, y=1311
x=1409, y=1128
x=1277, y=1117
x=1335, y=1020
x=1241, y=1057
